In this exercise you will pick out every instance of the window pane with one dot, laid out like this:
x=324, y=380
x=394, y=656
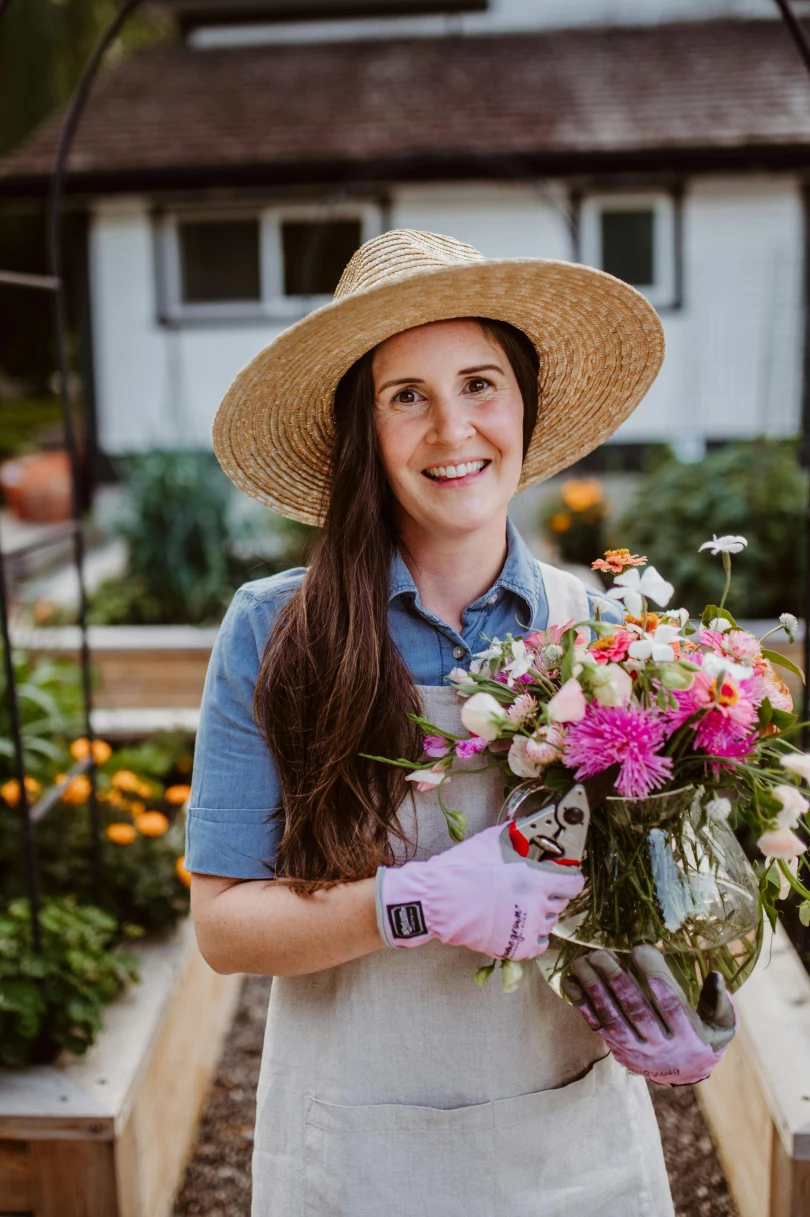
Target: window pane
x=627, y=246
x=315, y=254
x=219, y=260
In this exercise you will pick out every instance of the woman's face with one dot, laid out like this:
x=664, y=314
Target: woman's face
x=449, y=419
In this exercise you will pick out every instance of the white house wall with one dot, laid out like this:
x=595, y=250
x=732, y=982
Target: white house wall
x=734, y=349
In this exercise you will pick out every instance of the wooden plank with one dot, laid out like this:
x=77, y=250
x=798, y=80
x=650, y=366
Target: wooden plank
x=16, y=1192
x=74, y=1179
x=790, y=1183
x=43, y=1101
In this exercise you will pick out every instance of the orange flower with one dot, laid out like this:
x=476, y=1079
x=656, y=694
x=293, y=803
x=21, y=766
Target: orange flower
x=11, y=790
x=653, y=621
x=80, y=748
x=182, y=874
x=125, y=779
x=617, y=560
x=137, y=807
x=151, y=823
x=78, y=792
x=560, y=521
x=43, y=611
x=177, y=795
x=579, y=494
x=121, y=834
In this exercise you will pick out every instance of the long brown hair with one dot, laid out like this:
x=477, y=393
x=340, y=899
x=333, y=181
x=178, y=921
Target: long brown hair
x=332, y=682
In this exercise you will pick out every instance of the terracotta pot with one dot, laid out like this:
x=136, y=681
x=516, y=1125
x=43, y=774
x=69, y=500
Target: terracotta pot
x=38, y=487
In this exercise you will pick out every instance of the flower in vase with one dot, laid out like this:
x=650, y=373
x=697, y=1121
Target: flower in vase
x=483, y=715
x=435, y=745
x=629, y=736
x=520, y=762
x=550, y=637
x=660, y=647
x=617, y=560
x=767, y=683
x=794, y=805
x=724, y=545
x=631, y=587
x=547, y=743
x=611, y=648
x=742, y=646
x=780, y=843
x=798, y=762
x=521, y=709
x=568, y=703
x=465, y=748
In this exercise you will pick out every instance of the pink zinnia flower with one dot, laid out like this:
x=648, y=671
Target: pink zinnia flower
x=625, y=735
x=465, y=748
x=611, y=648
x=435, y=745
x=522, y=707
x=742, y=646
x=553, y=635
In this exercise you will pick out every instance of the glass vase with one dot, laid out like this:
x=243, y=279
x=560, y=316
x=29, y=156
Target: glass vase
x=666, y=870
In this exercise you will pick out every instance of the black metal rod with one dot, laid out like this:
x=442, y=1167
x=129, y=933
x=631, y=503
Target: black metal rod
x=26, y=822
x=802, y=43
x=31, y=547
x=13, y=278
x=54, y=216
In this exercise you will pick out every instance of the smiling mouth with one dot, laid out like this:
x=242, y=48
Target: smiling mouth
x=451, y=473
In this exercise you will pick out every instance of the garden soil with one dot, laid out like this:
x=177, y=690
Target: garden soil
x=217, y=1182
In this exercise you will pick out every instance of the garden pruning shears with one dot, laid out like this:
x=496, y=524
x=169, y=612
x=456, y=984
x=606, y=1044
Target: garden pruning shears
x=556, y=829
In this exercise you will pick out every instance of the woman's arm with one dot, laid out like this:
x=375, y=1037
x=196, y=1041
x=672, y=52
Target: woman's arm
x=262, y=927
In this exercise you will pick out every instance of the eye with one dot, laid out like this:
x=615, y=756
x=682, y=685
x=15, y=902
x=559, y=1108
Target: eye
x=479, y=384
x=406, y=397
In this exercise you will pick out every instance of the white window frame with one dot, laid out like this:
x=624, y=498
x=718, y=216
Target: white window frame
x=663, y=293
x=273, y=304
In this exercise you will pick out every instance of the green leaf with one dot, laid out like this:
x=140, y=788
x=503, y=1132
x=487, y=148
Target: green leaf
x=804, y=912
x=784, y=662
x=765, y=714
x=713, y=610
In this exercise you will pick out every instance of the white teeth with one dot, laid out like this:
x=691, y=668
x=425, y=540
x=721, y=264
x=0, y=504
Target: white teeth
x=455, y=471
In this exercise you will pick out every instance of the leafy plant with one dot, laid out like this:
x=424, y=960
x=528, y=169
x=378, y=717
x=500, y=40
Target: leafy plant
x=574, y=520
x=53, y=998
x=50, y=703
x=755, y=488
x=189, y=546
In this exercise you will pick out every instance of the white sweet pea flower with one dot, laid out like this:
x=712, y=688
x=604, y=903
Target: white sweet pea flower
x=483, y=715
x=724, y=545
x=611, y=684
x=427, y=779
x=719, y=625
x=511, y=975
x=780, y=843
x=520, y=762
x=794, y=805
x=658, y=647
x=798, y=762
x=458, y=676
x=631, y=585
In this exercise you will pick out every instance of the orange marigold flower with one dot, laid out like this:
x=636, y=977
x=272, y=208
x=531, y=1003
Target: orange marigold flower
x=151, y=823
x=125, y=779
x=121, y=834
x=617, y=560
x=580, y=494
x=560, y=522
x=11, y=790
x=177, y=795
x=653, y=621
x=80, y=748
x=180, y=870
x=78, y=792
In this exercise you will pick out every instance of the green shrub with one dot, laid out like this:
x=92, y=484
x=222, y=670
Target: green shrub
x=574, y=520
x=754, y=488
x=189, y=546
x=52, y=999
x=49, y=697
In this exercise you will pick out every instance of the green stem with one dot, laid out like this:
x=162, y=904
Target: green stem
x=727, y=569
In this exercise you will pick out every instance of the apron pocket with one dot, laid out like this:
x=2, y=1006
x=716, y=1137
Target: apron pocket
x=582, y=1150
x=398, y=1161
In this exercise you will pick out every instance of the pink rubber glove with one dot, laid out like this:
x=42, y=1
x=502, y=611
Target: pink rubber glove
x=665, y=1039
x=480, y=894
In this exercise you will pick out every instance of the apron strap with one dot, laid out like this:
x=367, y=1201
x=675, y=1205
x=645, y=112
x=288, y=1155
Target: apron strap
x=565, y=594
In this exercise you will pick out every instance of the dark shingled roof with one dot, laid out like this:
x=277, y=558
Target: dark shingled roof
x=706, y=93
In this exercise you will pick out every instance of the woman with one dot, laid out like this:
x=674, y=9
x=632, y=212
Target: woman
x=403, y=418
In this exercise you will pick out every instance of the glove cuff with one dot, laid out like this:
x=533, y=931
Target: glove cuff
x=402, y=908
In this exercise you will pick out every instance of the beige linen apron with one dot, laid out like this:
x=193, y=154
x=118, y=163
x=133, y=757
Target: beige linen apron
x=392, y=1086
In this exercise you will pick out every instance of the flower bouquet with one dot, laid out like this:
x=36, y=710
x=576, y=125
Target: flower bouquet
x=698, y=723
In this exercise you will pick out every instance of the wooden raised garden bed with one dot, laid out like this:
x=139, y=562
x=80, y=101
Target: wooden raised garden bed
x=757, y=1101
x=109, y=1134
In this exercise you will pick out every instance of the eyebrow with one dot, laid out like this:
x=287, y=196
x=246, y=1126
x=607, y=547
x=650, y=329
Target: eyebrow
x=417, y=380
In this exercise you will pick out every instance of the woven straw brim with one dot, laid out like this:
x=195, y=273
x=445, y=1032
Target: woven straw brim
x=600, y=344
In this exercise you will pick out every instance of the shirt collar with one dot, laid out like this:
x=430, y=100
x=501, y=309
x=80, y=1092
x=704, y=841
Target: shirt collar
x=520, y=574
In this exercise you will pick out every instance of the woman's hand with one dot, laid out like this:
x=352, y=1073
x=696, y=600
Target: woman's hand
x=664, y=1038
x=479, y=894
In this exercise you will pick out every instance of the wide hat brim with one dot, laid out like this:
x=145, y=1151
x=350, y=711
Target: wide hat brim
x=600, y=344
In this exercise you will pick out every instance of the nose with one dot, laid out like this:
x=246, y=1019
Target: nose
x=450, y=422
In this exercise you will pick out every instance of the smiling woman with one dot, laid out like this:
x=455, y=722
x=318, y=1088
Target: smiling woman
x=403, y=417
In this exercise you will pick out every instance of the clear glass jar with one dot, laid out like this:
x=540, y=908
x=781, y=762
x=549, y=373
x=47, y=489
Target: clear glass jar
x=666, y=870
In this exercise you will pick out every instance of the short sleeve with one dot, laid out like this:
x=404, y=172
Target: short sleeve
x=235, y=786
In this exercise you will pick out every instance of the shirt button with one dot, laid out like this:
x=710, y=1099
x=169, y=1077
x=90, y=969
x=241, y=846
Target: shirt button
x=459, y=652
x=493, y=599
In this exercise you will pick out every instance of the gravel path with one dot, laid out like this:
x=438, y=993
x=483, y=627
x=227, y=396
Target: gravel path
x=217, y=1182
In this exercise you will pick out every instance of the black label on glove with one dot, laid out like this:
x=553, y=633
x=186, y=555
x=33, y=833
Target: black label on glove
x=406, y=920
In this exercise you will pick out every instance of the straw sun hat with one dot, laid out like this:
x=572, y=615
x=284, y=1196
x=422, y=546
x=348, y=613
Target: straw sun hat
x=599, y=341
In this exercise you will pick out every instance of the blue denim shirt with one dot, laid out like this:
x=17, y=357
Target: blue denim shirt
x=235, y=786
